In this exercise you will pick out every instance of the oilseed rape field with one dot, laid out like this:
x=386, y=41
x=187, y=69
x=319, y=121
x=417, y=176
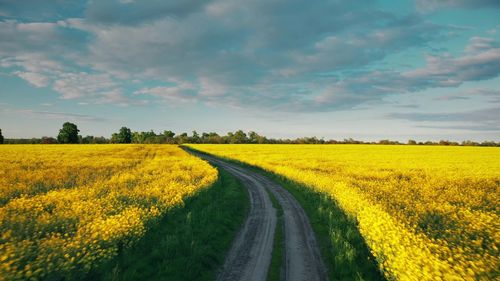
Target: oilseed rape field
x=67, y=208
x=425, y=212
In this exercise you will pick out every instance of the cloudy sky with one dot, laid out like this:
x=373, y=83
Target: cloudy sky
x=420, y=69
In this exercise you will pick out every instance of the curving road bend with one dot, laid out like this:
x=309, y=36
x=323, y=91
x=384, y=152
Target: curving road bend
x=250, y=255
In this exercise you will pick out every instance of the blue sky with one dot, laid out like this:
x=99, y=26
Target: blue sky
x=421, y=69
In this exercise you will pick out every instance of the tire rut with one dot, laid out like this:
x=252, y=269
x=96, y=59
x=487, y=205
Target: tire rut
x=251, y=251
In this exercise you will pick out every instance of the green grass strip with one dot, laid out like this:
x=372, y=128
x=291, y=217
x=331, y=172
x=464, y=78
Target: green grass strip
x=189, y=242
x=342, y=247
x=277, y=265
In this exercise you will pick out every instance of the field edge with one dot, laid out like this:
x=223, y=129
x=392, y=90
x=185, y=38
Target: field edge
x=344, y=250
x=189, y=243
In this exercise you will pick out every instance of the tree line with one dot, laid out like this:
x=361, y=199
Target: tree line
x=69, y=134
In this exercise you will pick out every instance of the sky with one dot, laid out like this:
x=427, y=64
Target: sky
x=362, y=69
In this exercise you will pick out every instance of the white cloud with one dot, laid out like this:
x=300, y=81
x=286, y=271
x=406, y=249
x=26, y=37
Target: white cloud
x=486, y=119
x=439, y=71
x=59, y=115
x=45, y=54
x=431, y=5
x=82, y=84
x=263, y=54
x=45, y=114
x=182, y=92
x=477, y=44
x=480, y=61
x=35, y=79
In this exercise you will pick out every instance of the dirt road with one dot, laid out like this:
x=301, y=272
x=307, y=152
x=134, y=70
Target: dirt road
x=250, y=254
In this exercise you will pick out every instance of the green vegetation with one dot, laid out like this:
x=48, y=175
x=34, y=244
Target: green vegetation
x=276, y=266
x=68, y=133
x=343, y=249
x=189, y=243
x=123, y=136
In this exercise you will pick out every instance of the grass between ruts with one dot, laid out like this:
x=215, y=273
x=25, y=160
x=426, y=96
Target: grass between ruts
x=188, y=243
x=276, y=266
x=342, y=247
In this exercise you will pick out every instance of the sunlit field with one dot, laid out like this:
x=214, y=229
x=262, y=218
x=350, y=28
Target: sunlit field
x=66, y=208
x=426, y=212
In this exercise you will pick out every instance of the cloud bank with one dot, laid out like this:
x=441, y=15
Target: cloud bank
x=269, y=55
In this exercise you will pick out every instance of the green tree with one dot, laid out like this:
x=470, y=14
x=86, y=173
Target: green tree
x=182, y=138
x=124, y=136
x=68, y=133
x=144, y=137
x=195, y=138
x=253, y=137
x=138, y=137
x=169, y=134
x=48, y=140
x=239, y=137
x=211, y=137
x=87, y=139
x=1, y=137
x=149, y=137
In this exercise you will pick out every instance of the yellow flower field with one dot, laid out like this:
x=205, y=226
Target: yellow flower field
x=426, y=212
x=69, y=207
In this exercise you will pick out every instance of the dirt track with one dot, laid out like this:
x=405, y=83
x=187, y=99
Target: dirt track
x=250, y=254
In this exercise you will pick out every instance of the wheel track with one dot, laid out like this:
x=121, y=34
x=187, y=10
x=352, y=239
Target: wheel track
x=251, y=251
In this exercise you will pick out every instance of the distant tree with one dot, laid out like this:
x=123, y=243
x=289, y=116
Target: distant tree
x=68, y=133
x=195, y=138
x=137, y=137
x=205, y=137
x=388, y=142
x=168, y=134
x=123, y=136
x=444, y=142
x=253, y=137
x=182, y=138
x=351, y=141
x=307, y=140
x=1, y=137
x=239, y=137
x=150, y=137
x=470, y=143
x=228, y=138
x=211, y=137
x=48, y=140
x=488, y=143
x=100, y=140
x=88, y=139
x=146, y=137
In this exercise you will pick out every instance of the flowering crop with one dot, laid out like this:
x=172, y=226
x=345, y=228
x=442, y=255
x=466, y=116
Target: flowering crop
x=427, y=213
x=68, y=207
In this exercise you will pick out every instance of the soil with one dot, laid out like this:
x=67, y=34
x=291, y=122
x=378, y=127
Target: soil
x=251, y=251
